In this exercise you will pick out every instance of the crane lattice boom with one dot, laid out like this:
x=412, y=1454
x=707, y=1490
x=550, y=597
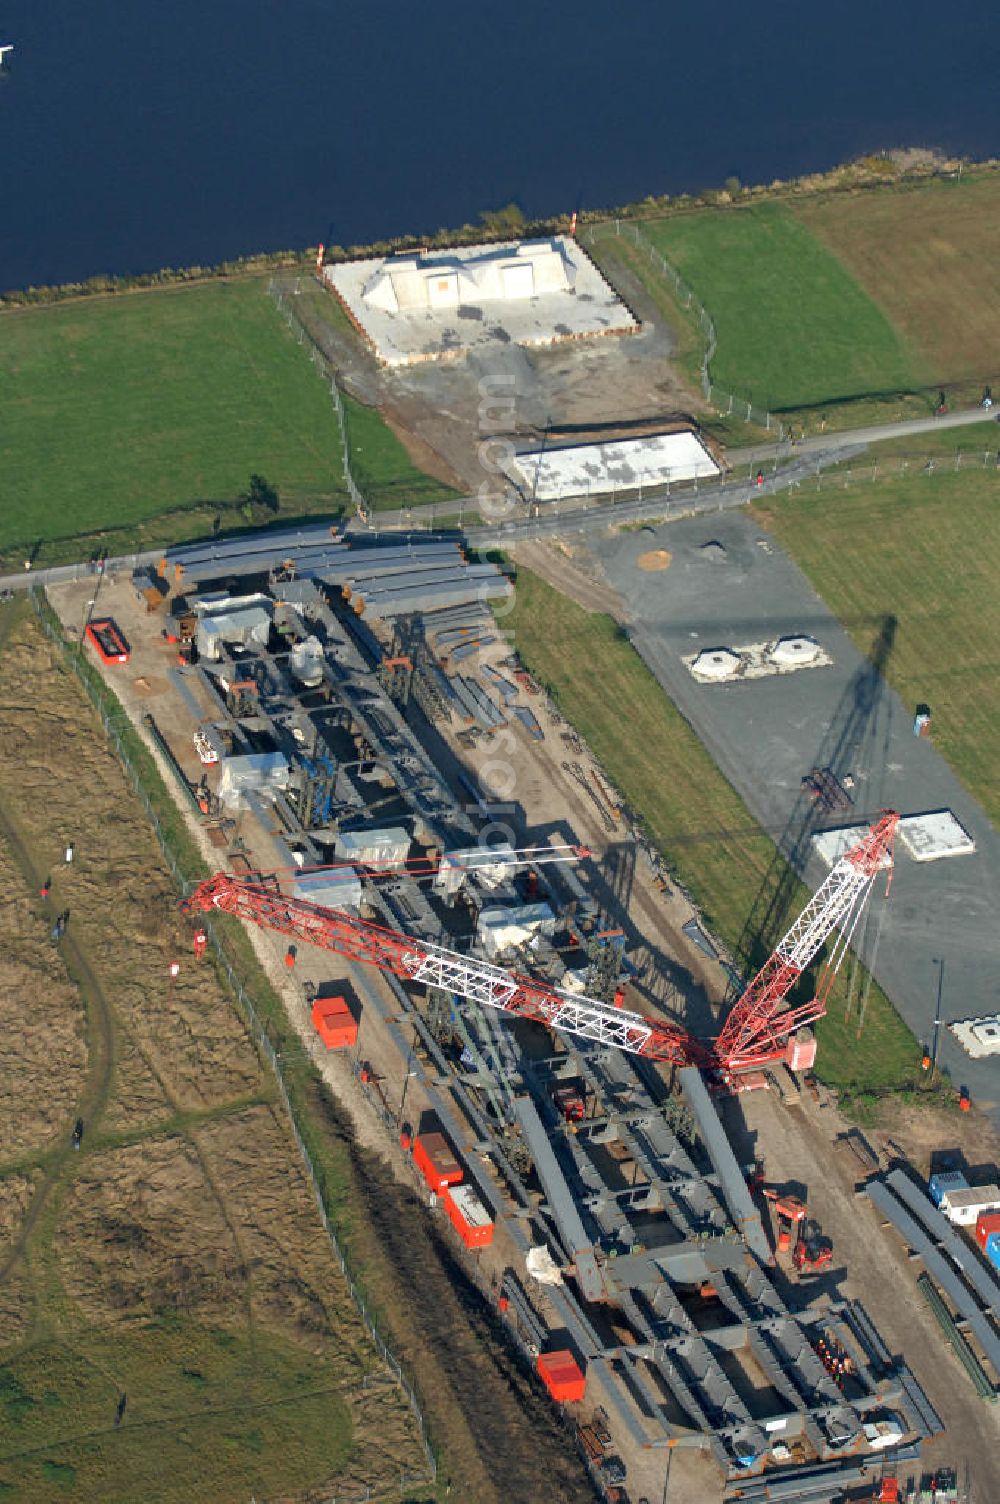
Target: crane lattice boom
x=433, y=966
x=757, y=1029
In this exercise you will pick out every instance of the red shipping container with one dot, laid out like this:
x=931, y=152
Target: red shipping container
x=433, y=1157
x=986, y=1223
x=468, y=1215
x=334, y=1023
x=562, y=1376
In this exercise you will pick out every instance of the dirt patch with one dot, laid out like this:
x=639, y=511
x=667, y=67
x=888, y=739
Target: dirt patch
x=654, y=559
x=15, y=1197
x=420, y=452
x=137, y=1097
x=202, y=1218
x=43, y=1055
x=282, y=1244
x=185, y=1031
x=141, y=1232
x=925, y=1136
x=572, y=572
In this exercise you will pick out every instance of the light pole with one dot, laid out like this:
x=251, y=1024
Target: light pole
x=939, y=963
x=670, y=1457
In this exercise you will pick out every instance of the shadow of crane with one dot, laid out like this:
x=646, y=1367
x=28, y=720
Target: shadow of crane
x=854, y=747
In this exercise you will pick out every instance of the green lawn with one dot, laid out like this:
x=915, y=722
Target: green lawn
x=383, y=470
x=931, y=545
x=134, y=421
x=923, y=255
x=601, y=685
x=118, y=409
x=794, y=327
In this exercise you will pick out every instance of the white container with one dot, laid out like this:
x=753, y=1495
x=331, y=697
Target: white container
x=306, y=662
x=258, y=772
x=383, y=849
x=964, y=1206
x=337, y=889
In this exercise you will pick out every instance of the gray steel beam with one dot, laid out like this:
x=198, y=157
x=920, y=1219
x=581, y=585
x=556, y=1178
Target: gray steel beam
x=731, y=1179
x=560, y=1199
x=937, y=1265
x=986, y=1286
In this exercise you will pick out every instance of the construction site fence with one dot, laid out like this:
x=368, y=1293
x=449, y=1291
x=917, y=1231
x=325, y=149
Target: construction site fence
x=724, y=401
x=114, y=722
x=324, y=365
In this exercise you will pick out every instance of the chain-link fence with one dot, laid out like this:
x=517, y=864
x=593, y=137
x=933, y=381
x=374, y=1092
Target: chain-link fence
x=116, y=722
x=725, y=402
x=321, y=361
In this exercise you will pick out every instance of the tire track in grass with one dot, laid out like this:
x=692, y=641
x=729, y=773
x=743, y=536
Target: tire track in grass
x=100, y=1045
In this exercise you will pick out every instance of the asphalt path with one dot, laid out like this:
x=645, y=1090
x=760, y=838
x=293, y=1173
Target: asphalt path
x=906, y=428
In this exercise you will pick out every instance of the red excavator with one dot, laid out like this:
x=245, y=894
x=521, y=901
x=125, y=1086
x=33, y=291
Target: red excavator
x=812, y=1251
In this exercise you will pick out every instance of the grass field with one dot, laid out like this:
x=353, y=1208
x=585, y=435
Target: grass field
x=381, y=466
x=600, y=683
x=794, y=328
x=120, y=408
x=926, y=256
x=176, y=1261
x=932, y=544
x=139, y=419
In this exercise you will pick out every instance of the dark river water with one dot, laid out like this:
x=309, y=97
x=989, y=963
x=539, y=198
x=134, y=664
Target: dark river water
x=135, y=136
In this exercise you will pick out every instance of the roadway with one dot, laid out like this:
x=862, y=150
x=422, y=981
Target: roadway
x=578, y=514
x=879, y=432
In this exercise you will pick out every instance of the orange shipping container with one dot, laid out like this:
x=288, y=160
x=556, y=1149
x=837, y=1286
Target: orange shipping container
x=468, y=1215
x=334, y=1023
x=433, y=1157
x=562, y=1376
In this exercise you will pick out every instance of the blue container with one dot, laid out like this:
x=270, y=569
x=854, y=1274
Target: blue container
x=947, y=1180
x=992, y=1249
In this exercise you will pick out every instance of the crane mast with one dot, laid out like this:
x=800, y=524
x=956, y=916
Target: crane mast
x=758, y=1027
x=756, y=1031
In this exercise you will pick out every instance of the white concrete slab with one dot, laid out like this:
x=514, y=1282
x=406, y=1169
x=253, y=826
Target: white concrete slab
x=831, y=844
x=979, y=1037
x=620, y=466
x=451, y=301
x=937, y=834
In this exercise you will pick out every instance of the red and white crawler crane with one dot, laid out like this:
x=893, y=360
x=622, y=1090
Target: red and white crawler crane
x=757, y=1030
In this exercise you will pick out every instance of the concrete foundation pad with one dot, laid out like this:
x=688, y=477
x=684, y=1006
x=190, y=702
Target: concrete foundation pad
x=756, y=660
x=830, y=845
x=937, y=834
x=623, y=465
x=979, y=1037
x=586, y=306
